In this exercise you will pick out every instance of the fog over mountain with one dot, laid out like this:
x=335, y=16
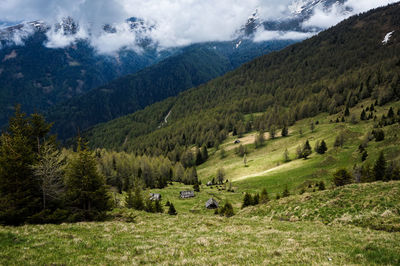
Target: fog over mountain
x=176, y=23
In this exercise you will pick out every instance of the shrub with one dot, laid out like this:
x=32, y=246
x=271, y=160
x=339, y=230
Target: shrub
x=342, y=177
x=378, y=134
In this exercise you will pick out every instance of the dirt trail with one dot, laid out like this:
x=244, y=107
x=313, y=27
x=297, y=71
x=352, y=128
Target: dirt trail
x=291, y=164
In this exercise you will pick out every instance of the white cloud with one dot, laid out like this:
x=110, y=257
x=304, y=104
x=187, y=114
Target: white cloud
x=178, y=22
x=281, y=35
x=326, y=18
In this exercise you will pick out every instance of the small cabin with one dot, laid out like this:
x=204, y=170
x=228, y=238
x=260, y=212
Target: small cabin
x=155, y=196
x=237, y=141
x=211, y=204
x=186, y=194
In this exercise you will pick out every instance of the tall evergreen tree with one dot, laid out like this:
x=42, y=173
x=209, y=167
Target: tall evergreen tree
x=20, y=195
x=86, y=188
x=322, y=148
x=204, y=153
x=380, y=167
x=285, y=131
x=247, y=200
x=171, y=209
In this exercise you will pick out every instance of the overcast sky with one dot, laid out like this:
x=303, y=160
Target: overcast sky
x=178, y=22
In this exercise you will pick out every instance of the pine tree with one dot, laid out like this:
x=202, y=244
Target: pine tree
x=363, y=115
x=285, y=131
x=256, y=199
x=149, y=206
x=20, y=192
x=306, y=150
x=158, y=207
x=138, y=198
x=199, y=158
x=390, y=113
x=264, y=198
x=347, y=111
x=204, y=153
x=247, y=200
x=171, y=209
x=380, y=167
x=86, y=189
x=322, y=148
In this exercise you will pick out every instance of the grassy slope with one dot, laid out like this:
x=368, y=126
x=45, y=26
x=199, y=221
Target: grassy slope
x=336, y=226
x=250, y=237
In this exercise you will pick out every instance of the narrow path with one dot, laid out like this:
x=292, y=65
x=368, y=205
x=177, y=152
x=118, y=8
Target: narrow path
x=291, y=164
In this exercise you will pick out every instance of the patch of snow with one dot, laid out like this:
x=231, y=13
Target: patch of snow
x=387, y=37
x=238, y=44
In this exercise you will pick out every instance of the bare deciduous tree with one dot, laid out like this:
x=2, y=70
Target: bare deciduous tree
x=49, y=171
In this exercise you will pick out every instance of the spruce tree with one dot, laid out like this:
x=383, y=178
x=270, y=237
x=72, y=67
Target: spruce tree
x=285, y=131
x=390, y=113
x=306, y=150
x=380, y=167
x=322, y=148
x=138, y=199
x=20, y=191
x=158, y=207
x=347, y=111
x=264, y=198
x=256, y=199
x=247, y=200
x=86, y=188
x=204, y=153
x=171, y=209
x=363, y=115
x=199, y=157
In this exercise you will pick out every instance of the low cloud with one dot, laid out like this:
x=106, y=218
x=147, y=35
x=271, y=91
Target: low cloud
x=324, y=18
x=176, y=22
x=282, y=35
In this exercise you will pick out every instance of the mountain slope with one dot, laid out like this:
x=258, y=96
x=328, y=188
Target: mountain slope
x=340, y=66
x=133, y=92
x=38, y=77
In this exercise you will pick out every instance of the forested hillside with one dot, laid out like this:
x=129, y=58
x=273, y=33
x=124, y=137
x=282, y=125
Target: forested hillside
x=337, y=68
x=191, y=67
x=38, y=77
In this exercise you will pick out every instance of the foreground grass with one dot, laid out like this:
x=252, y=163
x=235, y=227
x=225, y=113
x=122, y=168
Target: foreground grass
x=197, y=240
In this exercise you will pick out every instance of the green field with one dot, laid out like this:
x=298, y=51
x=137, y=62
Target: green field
x=255, y=235
x=355, y=224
